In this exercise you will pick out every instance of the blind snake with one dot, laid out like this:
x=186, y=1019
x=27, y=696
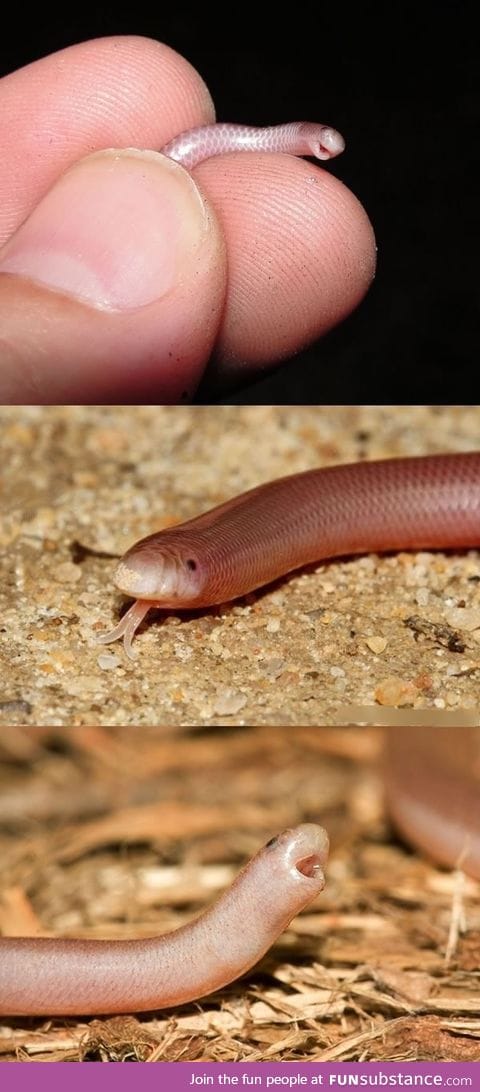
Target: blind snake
x=50, y=975
x=433, y=793
x=295, y=138
x=423, y=502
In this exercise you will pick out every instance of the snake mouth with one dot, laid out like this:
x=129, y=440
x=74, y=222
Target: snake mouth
x=332, y=142
x=306, y=851
x=310, y=866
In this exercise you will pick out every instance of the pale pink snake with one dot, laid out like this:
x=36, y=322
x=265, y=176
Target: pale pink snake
x=429, y=502
x=46, y=976
x=433, y=792
x=295, y=138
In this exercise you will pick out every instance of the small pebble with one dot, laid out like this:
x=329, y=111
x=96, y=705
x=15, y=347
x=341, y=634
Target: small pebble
x=273, y=668
x=377, y=644
x=395, y=692
x=422, y=597
x=273, y=625
x=68, y=573
x=107, y=661
x=467, y=618
x=452, y=700
x=183, y=652
x=228, y=702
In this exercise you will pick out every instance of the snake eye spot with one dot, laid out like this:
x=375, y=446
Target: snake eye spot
x=191, y=564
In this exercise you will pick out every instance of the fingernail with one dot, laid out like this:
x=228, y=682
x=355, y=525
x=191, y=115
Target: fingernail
x=115, y=231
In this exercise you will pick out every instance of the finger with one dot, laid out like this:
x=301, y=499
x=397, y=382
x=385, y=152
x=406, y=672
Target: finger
x=301, y=255
x=111, y=92
x=112, y=289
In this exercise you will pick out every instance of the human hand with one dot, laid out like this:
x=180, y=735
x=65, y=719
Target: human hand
x=121, y=274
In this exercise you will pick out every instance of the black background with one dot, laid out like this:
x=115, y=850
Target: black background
x=399, y=81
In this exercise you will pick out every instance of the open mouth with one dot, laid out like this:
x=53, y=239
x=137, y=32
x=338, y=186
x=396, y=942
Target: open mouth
x=309, y=866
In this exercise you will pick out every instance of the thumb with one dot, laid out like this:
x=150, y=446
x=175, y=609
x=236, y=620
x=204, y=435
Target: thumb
x=113, y=288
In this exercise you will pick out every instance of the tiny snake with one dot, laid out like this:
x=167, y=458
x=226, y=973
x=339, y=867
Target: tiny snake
x=46, y=975
x=433, y=794
x=424, y=502
x=295, y=138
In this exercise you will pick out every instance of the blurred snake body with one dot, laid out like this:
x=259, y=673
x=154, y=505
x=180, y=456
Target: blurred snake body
x=432, y=782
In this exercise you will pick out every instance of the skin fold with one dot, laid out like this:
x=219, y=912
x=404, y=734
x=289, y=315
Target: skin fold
x=428, y=502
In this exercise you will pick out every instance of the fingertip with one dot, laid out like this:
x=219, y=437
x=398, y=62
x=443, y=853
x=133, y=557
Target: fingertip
x=301, y=255
x=351, y=234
